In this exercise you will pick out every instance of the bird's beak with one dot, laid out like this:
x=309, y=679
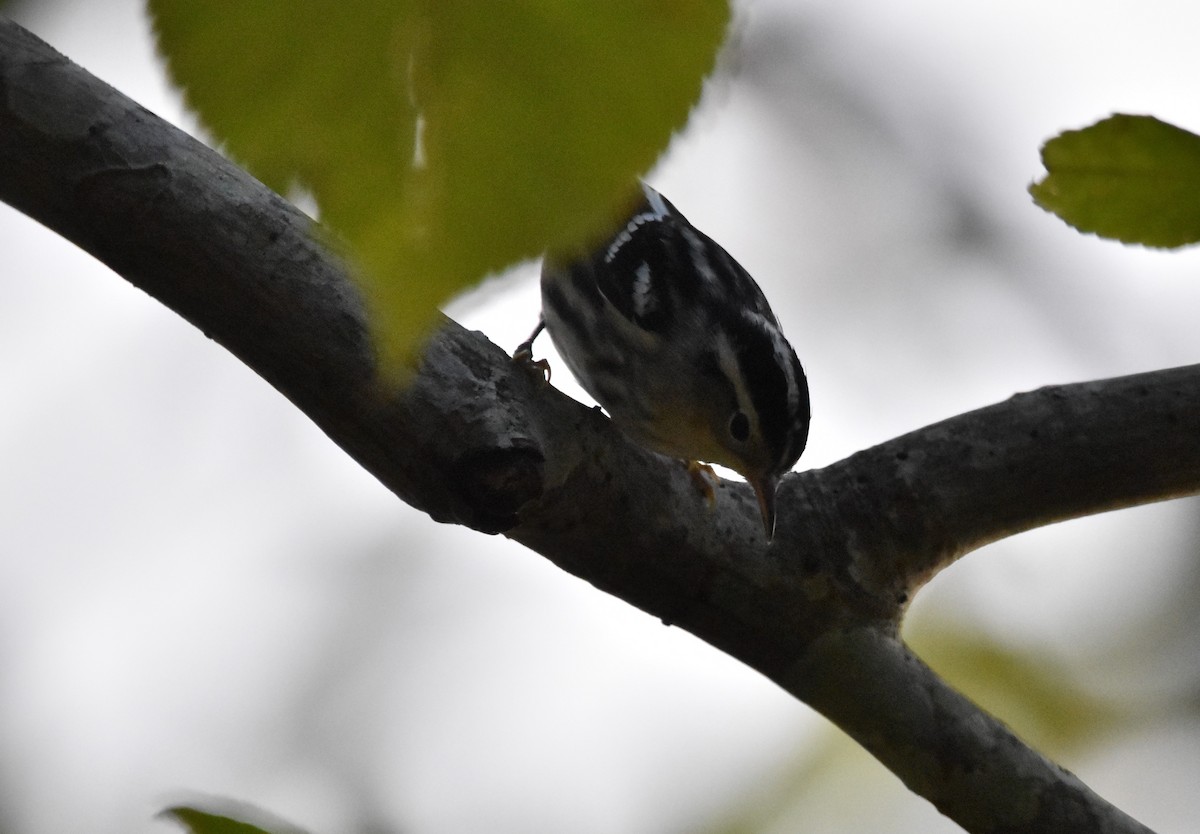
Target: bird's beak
x=764, y=488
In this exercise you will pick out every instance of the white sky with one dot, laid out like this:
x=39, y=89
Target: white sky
x=199, y=592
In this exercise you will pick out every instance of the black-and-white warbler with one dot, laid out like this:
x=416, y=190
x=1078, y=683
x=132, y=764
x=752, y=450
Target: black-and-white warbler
x=677, y=342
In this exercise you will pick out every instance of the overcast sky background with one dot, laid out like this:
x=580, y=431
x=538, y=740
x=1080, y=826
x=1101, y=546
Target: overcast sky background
x=199, y=592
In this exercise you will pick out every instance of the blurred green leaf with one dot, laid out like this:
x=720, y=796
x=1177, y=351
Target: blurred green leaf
x=1031, y=693
x=443, y=139
x=1132, y=178
x=203, y=822
x=831, y=777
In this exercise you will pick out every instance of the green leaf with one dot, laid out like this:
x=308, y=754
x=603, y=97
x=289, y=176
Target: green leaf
x=1132, y=178
x=196, y=821
x=443, y=139
x=1028, y=691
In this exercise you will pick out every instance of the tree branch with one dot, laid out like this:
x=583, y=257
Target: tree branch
x=479, y=441
x=936, y=741
x=1049, y=455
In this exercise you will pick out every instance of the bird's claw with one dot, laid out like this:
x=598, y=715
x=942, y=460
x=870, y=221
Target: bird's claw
x=524, y=356
x=704, y=478
x=524, y=353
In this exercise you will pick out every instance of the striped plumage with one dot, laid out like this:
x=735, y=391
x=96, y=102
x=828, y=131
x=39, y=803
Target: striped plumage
x=677, y=342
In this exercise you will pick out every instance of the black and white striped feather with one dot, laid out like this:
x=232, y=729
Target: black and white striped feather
x=677, y=342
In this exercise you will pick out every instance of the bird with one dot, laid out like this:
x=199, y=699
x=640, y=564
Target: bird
x=676, y=341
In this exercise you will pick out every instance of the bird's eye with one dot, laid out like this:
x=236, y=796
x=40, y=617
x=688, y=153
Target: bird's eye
x=739, y=426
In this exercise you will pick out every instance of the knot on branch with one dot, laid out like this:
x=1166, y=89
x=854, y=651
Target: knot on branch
x=493, y=484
